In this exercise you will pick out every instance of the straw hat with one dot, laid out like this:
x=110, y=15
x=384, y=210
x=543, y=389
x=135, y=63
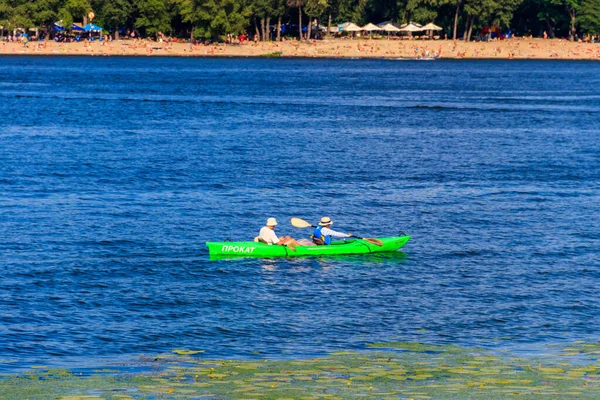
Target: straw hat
x=271, y=222
x=326, y=221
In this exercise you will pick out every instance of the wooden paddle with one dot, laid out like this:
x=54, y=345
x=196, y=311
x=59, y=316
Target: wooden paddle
x=300, y=223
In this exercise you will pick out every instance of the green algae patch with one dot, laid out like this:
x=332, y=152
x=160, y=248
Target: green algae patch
x=185, y=352
x=587, y=350
x=384, y=370
x=416, y=347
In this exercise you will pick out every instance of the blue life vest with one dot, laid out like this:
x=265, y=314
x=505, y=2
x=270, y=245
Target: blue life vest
x=319, y=235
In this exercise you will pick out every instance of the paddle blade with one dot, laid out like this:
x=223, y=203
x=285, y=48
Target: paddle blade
x=300, y=223
x=376, y=242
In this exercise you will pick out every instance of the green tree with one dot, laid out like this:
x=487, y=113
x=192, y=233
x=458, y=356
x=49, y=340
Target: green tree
x=262, y=10
x=5, y=15
x=350, y=10
x=572, y=7
x=115, y=13
x=78, y=8
x=589, y=16
x=359, y=14
x=544, y=16
x=314, y=9
x=153, y=17
x=46, y=13
x=421, y=10
x=279, y=9
x=212, y=18
x=474, y=9
x=382, y=10
x=21, y=16
x=504, y=12
x=66, y=18
x=490, y=12
x=457, y=3
x=559, y=16
x=297, y=4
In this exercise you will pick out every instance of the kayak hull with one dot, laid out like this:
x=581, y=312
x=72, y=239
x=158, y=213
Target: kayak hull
x=261, y=250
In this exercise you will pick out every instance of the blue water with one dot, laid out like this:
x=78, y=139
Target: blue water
x=114, y=172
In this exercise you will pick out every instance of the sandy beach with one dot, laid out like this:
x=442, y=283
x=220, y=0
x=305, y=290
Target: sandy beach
x=516, y=48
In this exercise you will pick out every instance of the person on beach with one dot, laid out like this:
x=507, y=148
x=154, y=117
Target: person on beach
x=322, y=234
x=267, y=235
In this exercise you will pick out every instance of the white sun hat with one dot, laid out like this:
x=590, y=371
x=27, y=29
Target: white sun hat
x=271, y=222
x=326, y=221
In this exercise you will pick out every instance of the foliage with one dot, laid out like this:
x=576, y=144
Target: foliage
x=590, y=16
x=78, y=8
x=216, y=18
x=45, y=12
x=65, y=17
x=316, y=8
x=153, y=17
x=114, y=13
x=421, y=10
x=212, y=18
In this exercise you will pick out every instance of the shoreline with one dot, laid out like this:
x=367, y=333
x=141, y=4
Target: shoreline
x=511, y=49
x=294, y=57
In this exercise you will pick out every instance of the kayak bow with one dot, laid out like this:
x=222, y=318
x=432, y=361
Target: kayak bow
x=261, y=250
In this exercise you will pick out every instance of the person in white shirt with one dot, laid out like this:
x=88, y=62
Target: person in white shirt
x=267, y=235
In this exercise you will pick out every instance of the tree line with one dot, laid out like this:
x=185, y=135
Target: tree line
x=212, y=19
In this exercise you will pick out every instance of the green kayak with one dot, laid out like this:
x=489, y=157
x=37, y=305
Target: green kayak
x=260, y=250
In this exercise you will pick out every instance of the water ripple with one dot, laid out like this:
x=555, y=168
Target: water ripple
x=114, y=173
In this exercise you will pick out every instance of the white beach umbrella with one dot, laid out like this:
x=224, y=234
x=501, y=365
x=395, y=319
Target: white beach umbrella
x=350, y=27
x=388, y=27
x=411, y=27
x=431, y=27
x=370, y=27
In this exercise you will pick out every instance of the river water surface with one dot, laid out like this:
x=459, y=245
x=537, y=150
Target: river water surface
x=114, y=172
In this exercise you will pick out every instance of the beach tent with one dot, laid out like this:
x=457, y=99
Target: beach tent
x=58, y=26
x=92, y=28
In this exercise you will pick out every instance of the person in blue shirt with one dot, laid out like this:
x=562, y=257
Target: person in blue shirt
x=322, y=234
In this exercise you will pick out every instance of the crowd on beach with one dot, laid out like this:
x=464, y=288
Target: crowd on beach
x=347, y=47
